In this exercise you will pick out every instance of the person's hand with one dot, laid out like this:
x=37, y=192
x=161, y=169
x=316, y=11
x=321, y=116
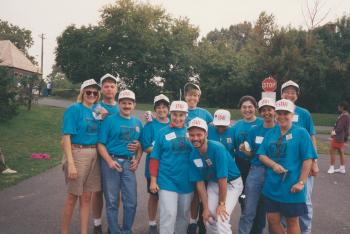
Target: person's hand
x=133, y=164
x=221, y=212
x=153, y=187
x=114, y=165
x=314, y=168
x=333, y=133
x=242, y=148
x=72, y=171
x=133, y=147
x=207, y=215
x=278, y=168
x=297, y=187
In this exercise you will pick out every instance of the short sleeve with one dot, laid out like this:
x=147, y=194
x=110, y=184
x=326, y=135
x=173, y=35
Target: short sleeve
x=307, y=149
x=157, y=148
x=262, y=150
x=70, y=121
x=195, y=174
x=147, y=136
x=104, y=131
x=209, y=117
x=221, y=162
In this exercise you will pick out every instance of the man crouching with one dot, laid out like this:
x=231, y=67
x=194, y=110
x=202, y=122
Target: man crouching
x=211, y=163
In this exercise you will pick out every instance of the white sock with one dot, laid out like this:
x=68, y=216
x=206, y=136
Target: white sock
x=97, y=222
x=331, y=167
x=342, y=167
x=152, y=223
x=193, y=220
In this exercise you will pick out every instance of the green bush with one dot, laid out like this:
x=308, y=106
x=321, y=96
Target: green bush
x=65, y=93
x=8, y=104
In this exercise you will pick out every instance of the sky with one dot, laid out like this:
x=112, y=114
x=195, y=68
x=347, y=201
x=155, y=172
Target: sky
x=51, y=17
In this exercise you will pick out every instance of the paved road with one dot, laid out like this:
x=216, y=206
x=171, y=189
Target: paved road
x=34, y=205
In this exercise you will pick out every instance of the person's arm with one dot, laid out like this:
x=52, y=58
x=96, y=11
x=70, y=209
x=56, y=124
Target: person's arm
x=67, y=149
x=135, y=161
x=314, y=167
x=202, y=192
x=221, y=208
x=272, y=164
x=153, y=170
x=303, y=176
x=105, y=155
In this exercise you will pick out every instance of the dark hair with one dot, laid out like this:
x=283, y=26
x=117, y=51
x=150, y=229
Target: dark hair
x=344, y=105
x=161, y=102
x=247, y=98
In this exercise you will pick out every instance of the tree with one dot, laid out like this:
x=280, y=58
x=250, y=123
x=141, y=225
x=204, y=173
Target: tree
x=8, y=104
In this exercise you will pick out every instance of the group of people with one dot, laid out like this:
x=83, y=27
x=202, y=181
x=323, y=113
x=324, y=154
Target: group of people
x=198, y=166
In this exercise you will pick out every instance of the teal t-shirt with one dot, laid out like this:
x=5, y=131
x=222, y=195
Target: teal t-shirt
x=80, y=124
x=302, y=118
x=117, y=132
x=255, y=138
x=240, y=134
x=216, y=164
x=112, y=109
x=199, y=112
x=224, y=138
x=149, y=135
x=289, y=151
x=172, y=149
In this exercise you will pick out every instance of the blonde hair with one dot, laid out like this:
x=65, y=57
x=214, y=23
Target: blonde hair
x=80, y=97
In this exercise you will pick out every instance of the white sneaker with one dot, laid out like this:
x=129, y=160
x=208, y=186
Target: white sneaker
x=331, y=170
x=341, y=170
x=8, y=171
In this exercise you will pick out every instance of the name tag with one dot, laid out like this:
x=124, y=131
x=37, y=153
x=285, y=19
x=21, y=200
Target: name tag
x=229, y=140
x=259, y=139
x=198, y=162
x=170, y=136
x=295, y=118
x=289, y=137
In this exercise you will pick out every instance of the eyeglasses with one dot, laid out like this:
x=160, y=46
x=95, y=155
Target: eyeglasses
x=94, y=93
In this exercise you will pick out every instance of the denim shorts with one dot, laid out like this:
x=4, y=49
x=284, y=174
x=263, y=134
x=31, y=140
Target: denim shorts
x=288, y=210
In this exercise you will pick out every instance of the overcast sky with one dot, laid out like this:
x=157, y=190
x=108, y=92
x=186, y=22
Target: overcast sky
x=51, y=17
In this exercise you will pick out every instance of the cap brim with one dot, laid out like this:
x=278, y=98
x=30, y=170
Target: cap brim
x=221, y=123
x=188, y=128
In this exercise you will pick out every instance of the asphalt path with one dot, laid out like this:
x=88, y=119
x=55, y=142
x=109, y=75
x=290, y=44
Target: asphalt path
x=34, y=205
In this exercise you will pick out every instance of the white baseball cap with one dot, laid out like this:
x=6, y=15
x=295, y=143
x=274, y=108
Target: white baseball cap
x=109, y=76
x=90, y=82
x=192, y=85
x=198, y=123
x=179, y=106
x=267, y=102
x=289, y=83
x=285, y=105
x=222, y=118
x=161, y=97
x=126, y=94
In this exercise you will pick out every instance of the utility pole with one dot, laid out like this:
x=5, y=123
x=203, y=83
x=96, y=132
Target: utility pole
x=42, y=36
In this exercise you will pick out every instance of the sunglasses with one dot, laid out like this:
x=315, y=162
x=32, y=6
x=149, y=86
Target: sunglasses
x=89, y=93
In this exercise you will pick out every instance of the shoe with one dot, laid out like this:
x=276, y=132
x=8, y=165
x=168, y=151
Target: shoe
x=152, y=229
x=8, y=171
x=192, y=228
x=340, y=170
x=331, y=170
x=98, y=229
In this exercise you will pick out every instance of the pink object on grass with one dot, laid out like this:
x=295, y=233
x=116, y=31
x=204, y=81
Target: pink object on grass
x=40, y=156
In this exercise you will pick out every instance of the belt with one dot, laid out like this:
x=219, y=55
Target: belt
x=75, y=146
x=121, y=156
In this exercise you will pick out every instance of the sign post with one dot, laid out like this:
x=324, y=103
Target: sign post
x=269, y=86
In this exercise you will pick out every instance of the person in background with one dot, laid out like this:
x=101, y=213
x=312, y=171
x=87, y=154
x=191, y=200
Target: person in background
x=212, y=164
x=302, y=117
x=149, y=135
x=82, y=170
x=169, y=170
x=247, y=105
x=287, y=151
x=254, y=214
x=339, y=135
x=120, y=162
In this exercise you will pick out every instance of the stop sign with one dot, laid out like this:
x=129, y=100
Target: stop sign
x=269, y=84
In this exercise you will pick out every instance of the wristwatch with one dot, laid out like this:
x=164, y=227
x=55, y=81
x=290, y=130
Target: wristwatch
x=301, y=182
x=221, y=203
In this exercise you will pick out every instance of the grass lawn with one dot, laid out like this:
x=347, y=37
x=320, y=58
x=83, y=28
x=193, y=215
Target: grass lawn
x=35, y=131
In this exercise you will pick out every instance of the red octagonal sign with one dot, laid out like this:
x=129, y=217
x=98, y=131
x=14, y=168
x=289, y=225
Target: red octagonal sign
x=269, y=84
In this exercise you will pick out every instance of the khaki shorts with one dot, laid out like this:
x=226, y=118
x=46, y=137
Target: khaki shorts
x=89, y=173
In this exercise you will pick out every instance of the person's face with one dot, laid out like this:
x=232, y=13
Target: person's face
x=109, y=89
x=284, y=118
x=340, y=109
x=290, y=93
x=192, y=98
x=267, y=113
x=178, y=118
x=90, y=95
x=126, y=106
x=221, y=129
x=162, y=111
x=247, y=110
x=197, y=137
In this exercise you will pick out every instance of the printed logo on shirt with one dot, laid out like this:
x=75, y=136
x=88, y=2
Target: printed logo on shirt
x=295, y=118
x=127, y=133
x=278, y=151
x=91, y=126
x=179, y=145
x=259, y=139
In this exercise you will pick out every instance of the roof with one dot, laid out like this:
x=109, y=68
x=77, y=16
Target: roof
x=11, y=56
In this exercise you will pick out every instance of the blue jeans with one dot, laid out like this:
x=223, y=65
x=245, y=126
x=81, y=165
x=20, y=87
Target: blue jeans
x=252, y=190
x=114, y=182
x=306, y=219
